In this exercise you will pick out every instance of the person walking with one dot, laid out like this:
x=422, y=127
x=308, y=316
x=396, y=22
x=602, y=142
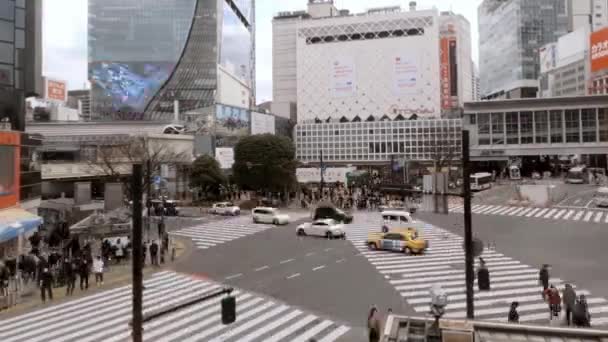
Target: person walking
x=84, y=272
x=373, y=325
x=119, y=251
x=144, y=251
x=70, y=277
x=154, y=253
x=483, y=276
x=513, y=314
x=46, y=280
x=543, y=277
x=98, y=270
x=552, y=297
x=569, y=301
x=580, y=314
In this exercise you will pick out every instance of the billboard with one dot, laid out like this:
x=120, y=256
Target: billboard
x=331, y=175
x=231, y=123
x=599, y=50
x=548, y=57
x=342, y=77
x=262, y=123
x=9, y=172
x=225, y=156
x=405, y=73
x=446, y=97
x=55, y=90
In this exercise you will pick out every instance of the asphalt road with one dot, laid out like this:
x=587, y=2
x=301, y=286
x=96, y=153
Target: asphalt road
x=576, y=251
x=328, y=277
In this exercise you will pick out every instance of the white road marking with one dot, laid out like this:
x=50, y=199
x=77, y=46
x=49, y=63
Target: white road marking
x=577, y=200
x=588, y=216
x=516, y=211
x=328, y=249
x=578, y=215
x=522, y=213
x=293, y=275
x=286, y=261
x=234, y=276
x=567, y=216
x=550, y=213
x=339, y=261
x=311, y=253
x=559, y=214
x=532, y=212
x=598, y=217
x=540, y=213
x=318, y=268
x=262, y=268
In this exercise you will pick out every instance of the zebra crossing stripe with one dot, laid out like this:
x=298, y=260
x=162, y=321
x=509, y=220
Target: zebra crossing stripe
x=511, y=209
x=503, y=211
x=588, y=216
x=532, y=212
x=606, y=220
x=542, y=212
x=578, y=215
x=567, y=216
x=559, y=214
x=550, y=213
x=521, y=213
x=496, y=210
x=516, y=211
x=488, y=209
x=598, y=217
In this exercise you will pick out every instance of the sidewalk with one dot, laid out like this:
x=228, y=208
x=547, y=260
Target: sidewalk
x=116, y=276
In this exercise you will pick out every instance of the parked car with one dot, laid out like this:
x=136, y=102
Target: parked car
x=331, y=212
x=323, y=227
x=269, y=215
x=225, y=208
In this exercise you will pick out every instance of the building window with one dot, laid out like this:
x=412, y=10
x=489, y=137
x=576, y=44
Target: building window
x=572, y=126
x=498, y=129
x=526, y=127
x=483, y=126
x=541, y=124
x=557, y=136
x=603, y=123
x=512, y=128
x=473, y=119
x=588, y=121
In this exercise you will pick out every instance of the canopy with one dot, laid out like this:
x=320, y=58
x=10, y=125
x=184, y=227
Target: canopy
x=14, y=222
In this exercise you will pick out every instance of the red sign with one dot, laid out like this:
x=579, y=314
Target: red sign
x=446, y=98
x=56, y=90
x=9, y=172
x=599, y=50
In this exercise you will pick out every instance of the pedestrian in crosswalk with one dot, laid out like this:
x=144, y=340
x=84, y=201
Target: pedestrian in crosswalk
x=98, y=270
x=69, y=270
x=513, y=314
x=554, y=300
x=84, y=274
x=543, y=277
x=569, y=301
x=373, y=325
x=46, y=280
x=483, y=276
x=154, y=253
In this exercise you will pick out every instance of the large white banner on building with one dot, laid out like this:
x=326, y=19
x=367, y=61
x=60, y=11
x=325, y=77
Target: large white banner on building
x=343, y=77
x=225, y=156
x=405, y=74
x=262, y=123
x=548, y=57
x=331, y=175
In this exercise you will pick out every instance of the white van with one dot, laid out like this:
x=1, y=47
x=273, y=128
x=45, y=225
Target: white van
x=398, y=219
x=601, y=197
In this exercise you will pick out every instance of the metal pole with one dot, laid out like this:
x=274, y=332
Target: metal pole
x=137, y=254
x=321, y=166
x=468, y=235
x=149, y=190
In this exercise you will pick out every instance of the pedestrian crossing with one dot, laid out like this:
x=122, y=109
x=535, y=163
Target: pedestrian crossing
x=443, y=263
x=214, y=233
x=105, y=317
x=559, y=213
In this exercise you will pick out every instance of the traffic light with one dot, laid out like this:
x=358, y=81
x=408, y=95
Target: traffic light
x=228, y=310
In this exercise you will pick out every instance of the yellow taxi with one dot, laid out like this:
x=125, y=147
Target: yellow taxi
x=403, y=240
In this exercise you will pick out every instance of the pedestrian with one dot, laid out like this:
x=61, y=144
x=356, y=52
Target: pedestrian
x=70, y=277
x=543, y=277
x=513, y=314
x=373, y=325
x=119, y=251
x=162, y=255
x=552, y=297
x=483, y=276
x=154, y=253
x=569, y=301
x=84, y=272
x=98, y=270
x=580, y=313
x=144, y=251
x=46, y=280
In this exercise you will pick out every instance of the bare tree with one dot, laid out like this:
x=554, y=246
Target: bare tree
x=444, y=152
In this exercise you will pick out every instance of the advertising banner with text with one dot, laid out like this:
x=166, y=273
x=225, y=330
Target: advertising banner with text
x=599, y=50
x=446, y=99
x=343, y=77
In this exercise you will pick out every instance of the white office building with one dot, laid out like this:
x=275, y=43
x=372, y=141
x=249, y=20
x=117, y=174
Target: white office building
x=588, y=13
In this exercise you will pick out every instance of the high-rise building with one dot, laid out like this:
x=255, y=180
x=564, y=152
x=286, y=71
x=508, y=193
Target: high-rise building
x=589, y=13
x=475, y=82
x=511, y=33
x=20, y=57
x=152, y=59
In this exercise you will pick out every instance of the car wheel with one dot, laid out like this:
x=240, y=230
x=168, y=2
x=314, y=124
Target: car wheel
x=328, y=235
x=255, y=220
x=372, y=246
x=385, y=229
x=301, y=232
x=237, y=213
x=275, y=222
x=407, y=251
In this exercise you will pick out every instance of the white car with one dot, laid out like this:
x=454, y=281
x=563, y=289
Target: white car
x=323, y=227
x=269, y=215
x=225, y=208
x=398, y=219
x=601, y=197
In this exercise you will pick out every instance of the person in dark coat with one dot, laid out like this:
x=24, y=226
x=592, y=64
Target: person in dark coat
x=569, y=299
x=373, y=325
x=580, y=313
x=513, y=314
x=46, y=280
x=543, y=277
x=144, y=251
x=69, y=270
x=483, y=276
x=84, y=272
x=154, y=253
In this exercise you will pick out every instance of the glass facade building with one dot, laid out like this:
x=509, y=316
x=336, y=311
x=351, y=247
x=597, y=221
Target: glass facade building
x=510, y=35
x=145, y=54
x=378, y=142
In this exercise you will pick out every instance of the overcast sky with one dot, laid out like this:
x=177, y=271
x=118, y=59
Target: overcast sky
x=65, y=34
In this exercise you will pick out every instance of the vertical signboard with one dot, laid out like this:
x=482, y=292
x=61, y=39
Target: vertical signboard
x=342, y=77
x=56, y=90
x=599, y=50
x=262, y=123
x=9, y=169
x=405, y=73
x=225, y=157
x=453, y=68
x=446, y=99
x=548, y=57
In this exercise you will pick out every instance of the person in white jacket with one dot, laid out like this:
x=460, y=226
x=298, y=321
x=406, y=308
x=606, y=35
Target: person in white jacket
x=98, y=270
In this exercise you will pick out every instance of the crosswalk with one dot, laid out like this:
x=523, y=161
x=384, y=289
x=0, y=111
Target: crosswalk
x=214, y=233
x=443, y=263
x=105, y=317
x=566, y=214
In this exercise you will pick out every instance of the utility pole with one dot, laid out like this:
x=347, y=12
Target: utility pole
x=149, y=190
x=136, y=185
x=322, y=170
x=468, y=234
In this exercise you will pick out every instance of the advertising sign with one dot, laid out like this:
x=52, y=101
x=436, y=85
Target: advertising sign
x=225, y=156
x=262, y=123
x=548, y=57
x=599, y=50
x=343, y=76
x=405, y=73
x=56, y=90
x=231, y=121
x=9, y=170
x=330, y=175
x=446, y=99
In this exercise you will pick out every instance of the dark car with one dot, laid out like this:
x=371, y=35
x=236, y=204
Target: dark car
x=331, y=212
